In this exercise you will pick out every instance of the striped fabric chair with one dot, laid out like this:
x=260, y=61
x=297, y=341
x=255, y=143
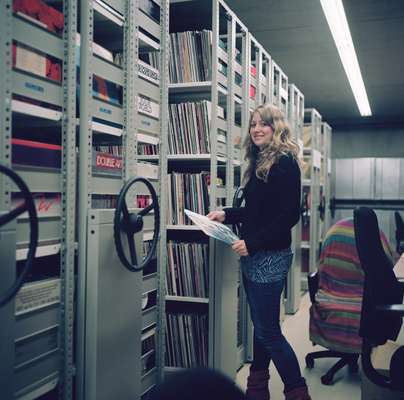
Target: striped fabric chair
x=336, y=293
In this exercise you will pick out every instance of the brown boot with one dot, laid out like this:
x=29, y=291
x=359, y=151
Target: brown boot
x=300, y=393
x=257, y=385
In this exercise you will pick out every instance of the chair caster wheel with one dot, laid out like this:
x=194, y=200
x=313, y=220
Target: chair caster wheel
x=309, y=362
x=326, y=380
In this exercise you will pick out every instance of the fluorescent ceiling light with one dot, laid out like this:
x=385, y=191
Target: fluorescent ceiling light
x=335, y=14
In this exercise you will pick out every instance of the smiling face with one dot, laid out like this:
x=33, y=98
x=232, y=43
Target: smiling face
x=260, y=131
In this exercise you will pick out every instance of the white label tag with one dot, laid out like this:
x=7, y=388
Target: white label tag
x=31, y=62
x=148, y=107
x=149, y=73
x=37, y=295
x=316, y=159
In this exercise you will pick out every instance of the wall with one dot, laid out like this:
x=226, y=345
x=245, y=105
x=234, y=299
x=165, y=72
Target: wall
x=371, y=142
x=367, y=142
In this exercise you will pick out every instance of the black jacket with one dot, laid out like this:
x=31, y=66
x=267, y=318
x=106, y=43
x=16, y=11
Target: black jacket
x=271, y=208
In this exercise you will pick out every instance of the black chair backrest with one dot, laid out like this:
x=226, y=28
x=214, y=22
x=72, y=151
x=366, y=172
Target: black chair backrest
x=399, y=232
x=381, y=286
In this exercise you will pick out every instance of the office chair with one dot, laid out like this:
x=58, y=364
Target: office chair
x=399, y=232
x=335, y=293
x=382, y=308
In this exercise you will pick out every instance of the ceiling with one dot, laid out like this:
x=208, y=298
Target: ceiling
x=296, y=35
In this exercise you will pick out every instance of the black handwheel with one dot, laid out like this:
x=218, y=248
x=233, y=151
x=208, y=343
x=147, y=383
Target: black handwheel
x=237, y=201
x=29, y=206
x=132, y=223
x=327, y=379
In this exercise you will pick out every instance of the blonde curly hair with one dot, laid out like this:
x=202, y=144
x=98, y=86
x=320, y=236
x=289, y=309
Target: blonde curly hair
x=282, y=143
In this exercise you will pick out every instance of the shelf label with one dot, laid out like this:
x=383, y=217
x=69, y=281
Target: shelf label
x=316, y=159
x=149, y=73
x=105, y=110
x=33, y=296
x=30, y=61
x=148, y=107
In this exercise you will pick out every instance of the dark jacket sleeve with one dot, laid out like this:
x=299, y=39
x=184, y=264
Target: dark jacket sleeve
x=288, y=187
x=234, y=215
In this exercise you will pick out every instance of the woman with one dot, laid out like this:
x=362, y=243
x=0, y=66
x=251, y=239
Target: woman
x=272, y=202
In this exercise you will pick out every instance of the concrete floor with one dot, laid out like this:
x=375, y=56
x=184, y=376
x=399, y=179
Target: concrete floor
x=296, y=330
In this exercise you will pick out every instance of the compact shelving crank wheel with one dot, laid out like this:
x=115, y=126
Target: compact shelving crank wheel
x=28, y=205
x=131, y=223
x=238, y=199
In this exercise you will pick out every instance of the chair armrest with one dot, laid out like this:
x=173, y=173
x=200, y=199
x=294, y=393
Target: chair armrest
x=393, y=309
x=312, y=280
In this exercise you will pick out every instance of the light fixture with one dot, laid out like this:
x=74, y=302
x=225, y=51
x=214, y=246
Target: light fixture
x=336, y=18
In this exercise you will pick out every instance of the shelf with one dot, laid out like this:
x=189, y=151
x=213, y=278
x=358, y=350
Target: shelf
x=147, y=44
x=149, y=89
x=40, y=180
x=149, y=380
x=39, y=388
x=99, y=127
x=149, y=283
x=152, y=158
x=183, y=228
x=107, y=13
x=149, y=25
x=37, y=37
x=108, y=70
x=190, y=87
x=33, y=87
x=49, y=231
x=148, y=125
x=149, y=317
x=32, y=110
x=143, y=138
x=106, y=111
x=42, y=250
x=186, y=299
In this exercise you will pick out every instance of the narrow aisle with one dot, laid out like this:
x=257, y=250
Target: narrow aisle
x=296, y=330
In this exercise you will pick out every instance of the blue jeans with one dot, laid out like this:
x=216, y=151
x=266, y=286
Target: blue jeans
x=269, y=342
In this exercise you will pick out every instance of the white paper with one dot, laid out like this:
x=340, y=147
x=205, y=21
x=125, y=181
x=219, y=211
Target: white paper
x=212, y=228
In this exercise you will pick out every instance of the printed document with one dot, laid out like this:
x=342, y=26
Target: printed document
x=212, y=228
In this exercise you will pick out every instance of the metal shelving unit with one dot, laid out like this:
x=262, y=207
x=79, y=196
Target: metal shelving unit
x=224, y=89
x=279, y=95
x=38, y=354
x=326, y=173
x=293, y=286
x=132, y=63
x=311, y=192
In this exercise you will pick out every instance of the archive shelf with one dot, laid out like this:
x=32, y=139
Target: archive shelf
x=223, y=92
x=326, y=171
x=312, y=152
x=259, y=74
x=122, y=111
x=279, y=88
x=295, y=117
x=38, y=81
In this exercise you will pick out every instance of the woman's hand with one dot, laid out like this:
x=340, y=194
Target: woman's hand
x=218, y=216
x=240, y=248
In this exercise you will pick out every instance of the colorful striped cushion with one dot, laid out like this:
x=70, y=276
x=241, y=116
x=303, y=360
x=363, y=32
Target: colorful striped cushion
x=335, y=318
